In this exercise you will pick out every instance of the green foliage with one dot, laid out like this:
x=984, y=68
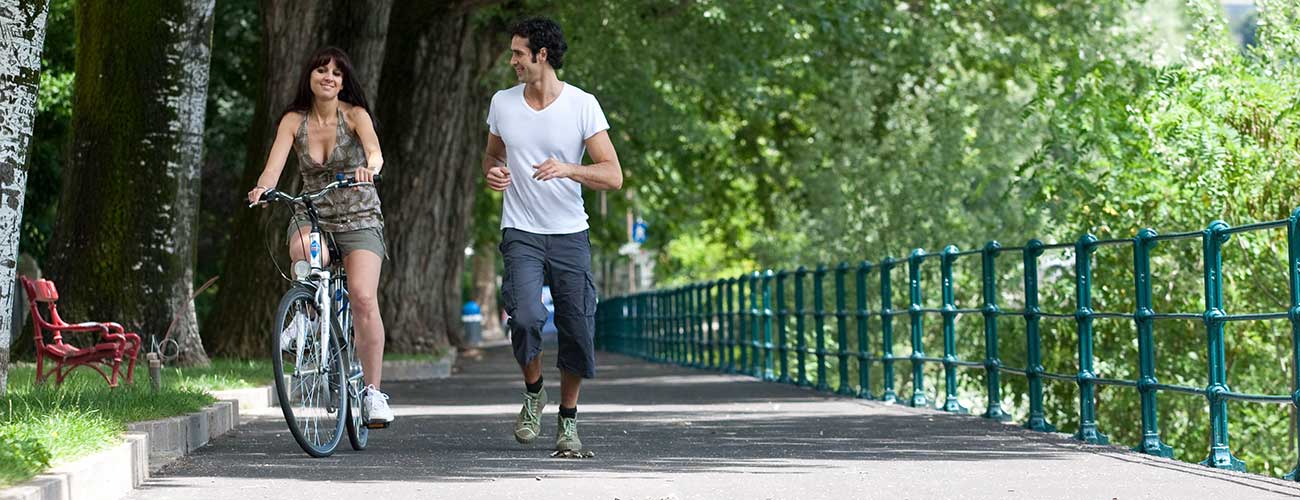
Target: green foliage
x=21, y=455
x=771, y=138
x=50, y=129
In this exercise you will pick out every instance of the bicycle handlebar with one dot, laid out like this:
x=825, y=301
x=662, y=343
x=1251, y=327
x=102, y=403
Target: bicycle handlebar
x=342, y=181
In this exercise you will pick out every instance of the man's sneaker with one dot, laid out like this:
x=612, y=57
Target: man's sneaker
x=566, y=436
x=289, y=337
x=380, y=415
x=528, y=425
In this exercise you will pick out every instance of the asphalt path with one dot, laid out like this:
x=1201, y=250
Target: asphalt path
x=661, y=432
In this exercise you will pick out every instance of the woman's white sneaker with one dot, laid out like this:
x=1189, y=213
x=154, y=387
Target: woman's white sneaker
x=377, y=409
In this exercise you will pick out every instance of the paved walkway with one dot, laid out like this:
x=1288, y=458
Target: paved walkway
x=668, y=433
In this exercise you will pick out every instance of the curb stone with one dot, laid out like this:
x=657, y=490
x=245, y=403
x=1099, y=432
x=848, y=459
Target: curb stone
x=147, y=446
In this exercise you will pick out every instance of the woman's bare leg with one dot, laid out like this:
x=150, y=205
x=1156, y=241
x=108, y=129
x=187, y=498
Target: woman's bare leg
x=363, y=268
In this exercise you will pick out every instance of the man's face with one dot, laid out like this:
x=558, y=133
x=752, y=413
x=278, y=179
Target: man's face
x=521, y=59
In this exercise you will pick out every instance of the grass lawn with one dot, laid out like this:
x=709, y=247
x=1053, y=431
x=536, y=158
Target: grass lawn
x=433, y=356
x=43, y=425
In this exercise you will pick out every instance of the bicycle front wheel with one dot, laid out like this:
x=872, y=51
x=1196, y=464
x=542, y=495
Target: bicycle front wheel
x=309, y=377
x=358, y=433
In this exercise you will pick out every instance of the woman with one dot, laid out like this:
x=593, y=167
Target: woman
x=329, y=128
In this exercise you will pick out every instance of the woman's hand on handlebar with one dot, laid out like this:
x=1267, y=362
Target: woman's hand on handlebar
x=364, y=174
x=255, y=194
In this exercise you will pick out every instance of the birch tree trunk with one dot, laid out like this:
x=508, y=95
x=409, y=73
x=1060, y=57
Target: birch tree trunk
x=22, y=35
x=123, y=244
x=291, y=30
x=433, y=103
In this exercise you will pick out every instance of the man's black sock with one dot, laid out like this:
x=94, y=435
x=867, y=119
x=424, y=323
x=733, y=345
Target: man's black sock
x=569, y=412
x=534, y=387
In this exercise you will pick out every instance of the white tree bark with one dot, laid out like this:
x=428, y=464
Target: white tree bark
x=22, y=36
x=193, y=51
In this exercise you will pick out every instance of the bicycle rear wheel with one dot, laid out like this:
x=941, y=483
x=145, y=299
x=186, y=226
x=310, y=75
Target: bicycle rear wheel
x=309, y=383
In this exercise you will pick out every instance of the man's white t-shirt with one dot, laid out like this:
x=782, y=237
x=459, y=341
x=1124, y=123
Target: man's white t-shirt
x=558, y=131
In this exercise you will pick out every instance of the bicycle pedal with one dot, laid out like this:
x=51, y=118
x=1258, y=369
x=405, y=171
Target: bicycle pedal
x=377, y=425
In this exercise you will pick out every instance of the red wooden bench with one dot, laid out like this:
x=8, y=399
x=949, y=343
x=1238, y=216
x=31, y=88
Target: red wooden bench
x=113, y=345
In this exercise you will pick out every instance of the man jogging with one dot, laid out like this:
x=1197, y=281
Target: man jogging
x=539, y=131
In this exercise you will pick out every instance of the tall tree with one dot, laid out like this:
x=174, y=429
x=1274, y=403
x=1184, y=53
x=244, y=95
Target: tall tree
x=438, y=56
x=123, y=245
x=22, y=32
x=291, y=30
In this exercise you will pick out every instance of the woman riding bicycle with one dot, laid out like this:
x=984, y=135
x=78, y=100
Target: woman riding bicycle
x=329, y=128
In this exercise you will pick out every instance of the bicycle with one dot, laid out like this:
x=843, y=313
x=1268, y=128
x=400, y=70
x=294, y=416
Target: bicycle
x=319, y=366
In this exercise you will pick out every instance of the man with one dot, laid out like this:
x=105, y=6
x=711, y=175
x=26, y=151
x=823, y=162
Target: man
x=539, y=131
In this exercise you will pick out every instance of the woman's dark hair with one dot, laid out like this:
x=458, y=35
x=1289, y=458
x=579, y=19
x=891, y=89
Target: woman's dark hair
x=351, y=93
x=542, y=33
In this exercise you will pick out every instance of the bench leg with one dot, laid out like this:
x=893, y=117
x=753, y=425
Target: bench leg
x=40, y=368
x=133, y=351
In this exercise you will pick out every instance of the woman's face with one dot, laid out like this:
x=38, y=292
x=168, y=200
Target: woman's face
x=326, y=81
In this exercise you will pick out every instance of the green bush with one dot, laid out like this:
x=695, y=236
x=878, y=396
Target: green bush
x=21, y=454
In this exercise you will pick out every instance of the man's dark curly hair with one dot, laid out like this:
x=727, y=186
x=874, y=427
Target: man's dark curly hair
x=542, y=33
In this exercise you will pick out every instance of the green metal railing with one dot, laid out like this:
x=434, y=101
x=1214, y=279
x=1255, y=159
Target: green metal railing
x=700, y=325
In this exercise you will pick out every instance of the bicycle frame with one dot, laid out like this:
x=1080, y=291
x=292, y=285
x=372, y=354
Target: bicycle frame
x=319, y=277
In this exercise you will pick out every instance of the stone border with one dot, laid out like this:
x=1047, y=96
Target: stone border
x=112, y=474
x=150, y=445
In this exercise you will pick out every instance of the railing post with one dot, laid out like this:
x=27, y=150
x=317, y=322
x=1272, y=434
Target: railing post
x=692, y=314
x=887, y=330
x=864, y=342
x=675, y=325
x=742, y=312
x=1220, y=457
x=1293, y=314
x=642, y=346
x=1083, y=316
x=819, y=319
x=801, y=347
x=782, y=315
x=683, y=325
x=768, y=373
x=842, y=328
x=720, y=318
x=918, y=344
x=1033, y=351
x=665, y=318
x=707, y=325
x=697, y=325
x=1144, y=318
x=701, y=324
x=727, y=350
x=755, y=325
x=950, y=403
x=649, y=322
x=992, y=361
x=665, y=326
x=692, y=325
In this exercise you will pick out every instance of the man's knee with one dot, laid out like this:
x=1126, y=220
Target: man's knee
x=525, y=317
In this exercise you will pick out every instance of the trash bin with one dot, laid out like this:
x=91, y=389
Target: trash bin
x=472, y=317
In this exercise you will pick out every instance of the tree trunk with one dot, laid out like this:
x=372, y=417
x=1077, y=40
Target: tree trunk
x=434, y=103
x=22, y=34
x=361, y=29
x=485, y=286
x=123, y=244
x=251, y=285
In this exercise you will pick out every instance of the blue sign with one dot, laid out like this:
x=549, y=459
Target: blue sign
x=639, y=231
